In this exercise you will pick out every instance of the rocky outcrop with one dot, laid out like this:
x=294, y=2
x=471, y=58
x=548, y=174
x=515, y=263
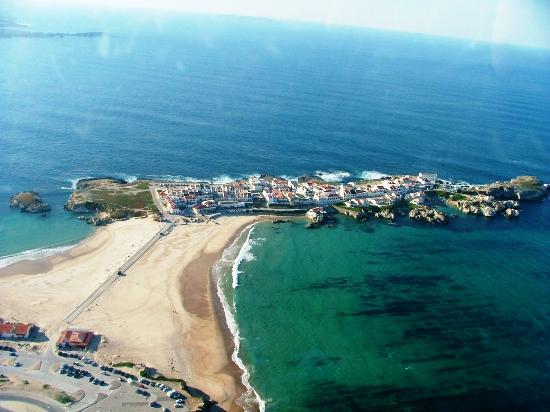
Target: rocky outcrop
x=484, y=205
x=428, y=215
x=356, y=214
x=528, y=188
x=29, y=202
x=385, y=214
x=78, y=206
x=511, y=213
x=100, y=220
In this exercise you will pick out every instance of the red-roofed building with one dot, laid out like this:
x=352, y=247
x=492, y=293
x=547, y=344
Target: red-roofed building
x=10, y=330
x=75, y=339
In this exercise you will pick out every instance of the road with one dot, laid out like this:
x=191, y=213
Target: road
x=115, y=276
x=166, y=216
x=28, y=399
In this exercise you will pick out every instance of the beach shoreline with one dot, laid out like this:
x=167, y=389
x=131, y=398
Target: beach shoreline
x=169, y=292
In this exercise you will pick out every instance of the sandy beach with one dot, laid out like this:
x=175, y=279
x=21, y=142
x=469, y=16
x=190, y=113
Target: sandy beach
x=164, y=313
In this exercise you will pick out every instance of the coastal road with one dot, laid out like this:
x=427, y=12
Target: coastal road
x=22, y=399
x=154, y=194
x=115, y=276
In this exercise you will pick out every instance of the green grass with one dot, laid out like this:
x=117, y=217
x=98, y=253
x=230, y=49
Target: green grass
x=457, y=196
x=122, y=200
x=124, y=365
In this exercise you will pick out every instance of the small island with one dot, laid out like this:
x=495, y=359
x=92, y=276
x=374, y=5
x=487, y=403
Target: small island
x=29, y=202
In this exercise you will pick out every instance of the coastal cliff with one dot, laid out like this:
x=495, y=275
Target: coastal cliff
x=29, y=202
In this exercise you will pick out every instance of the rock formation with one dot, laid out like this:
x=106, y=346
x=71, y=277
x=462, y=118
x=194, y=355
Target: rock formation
x=385, y=214
x=29, y=202
x=428, y=215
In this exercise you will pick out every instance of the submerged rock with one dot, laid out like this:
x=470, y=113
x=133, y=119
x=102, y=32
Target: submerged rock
x=29, y=202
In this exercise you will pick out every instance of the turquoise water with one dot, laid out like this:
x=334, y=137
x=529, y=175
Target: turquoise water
x=378, y=317
x=364, y=316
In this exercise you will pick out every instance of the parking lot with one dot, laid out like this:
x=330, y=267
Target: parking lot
x=105, y=388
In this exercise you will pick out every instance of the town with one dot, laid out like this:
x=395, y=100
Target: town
x=417, y=196
x=264, y=191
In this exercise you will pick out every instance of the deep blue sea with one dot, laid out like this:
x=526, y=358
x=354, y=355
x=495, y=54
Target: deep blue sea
x=221, y=97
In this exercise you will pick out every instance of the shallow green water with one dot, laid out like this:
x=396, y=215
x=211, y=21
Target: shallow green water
x=378, y=317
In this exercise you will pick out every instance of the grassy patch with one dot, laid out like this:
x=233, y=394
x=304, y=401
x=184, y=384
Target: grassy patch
x=123, y=365
x=457, y=196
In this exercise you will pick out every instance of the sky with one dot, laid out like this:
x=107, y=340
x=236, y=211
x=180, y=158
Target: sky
x=521, y=22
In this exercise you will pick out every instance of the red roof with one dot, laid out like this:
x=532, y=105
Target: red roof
x=78, y=338
x=20, y=329
x=6, y=327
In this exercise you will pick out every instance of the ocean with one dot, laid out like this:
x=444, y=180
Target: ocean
x=359, y=317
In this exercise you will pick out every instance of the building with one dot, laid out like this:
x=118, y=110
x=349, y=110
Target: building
x=10, y=330
x=75, y=339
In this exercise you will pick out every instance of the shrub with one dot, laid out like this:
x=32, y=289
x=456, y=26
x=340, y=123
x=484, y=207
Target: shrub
x=124, y=365
x=64, y=398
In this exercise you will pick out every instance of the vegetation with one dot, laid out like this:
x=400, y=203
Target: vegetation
x=457, y=196
x=124, y=365
x=118, y=199
x=442, y=193
x=63, y=398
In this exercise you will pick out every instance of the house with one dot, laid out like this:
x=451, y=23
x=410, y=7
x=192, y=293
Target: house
x=10, y=330
x=75, y=339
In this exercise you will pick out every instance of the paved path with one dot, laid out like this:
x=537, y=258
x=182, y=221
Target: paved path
x=115, y=276
x=28, y=399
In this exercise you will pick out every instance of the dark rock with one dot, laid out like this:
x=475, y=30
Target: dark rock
x=29, y=202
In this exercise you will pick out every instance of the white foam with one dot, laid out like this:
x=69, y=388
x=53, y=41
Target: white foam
x=33, y=254
x=251, y=397
x=333, y=175
x=245, y=255
x=224, y=179
x=73, y=183
x=371, y=175
x=128, y=178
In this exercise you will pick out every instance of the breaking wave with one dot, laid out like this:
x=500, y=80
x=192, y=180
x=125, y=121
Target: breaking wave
x=333, y=175
x=33, y=254
x=232, y=257
x=371, y=175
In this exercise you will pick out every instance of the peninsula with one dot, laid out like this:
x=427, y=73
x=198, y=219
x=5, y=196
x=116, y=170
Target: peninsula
x=422, y=197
